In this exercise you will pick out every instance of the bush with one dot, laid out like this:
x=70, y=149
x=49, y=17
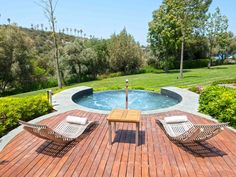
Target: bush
x=27, y=108
x=197, y=89
x=219, y=102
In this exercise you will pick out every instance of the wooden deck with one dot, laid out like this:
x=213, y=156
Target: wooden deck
x=156, y=155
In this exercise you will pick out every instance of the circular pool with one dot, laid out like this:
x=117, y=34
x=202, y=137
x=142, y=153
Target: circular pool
x=138, y=99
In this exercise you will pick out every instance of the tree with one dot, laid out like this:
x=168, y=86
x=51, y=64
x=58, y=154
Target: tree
x=81, y=32
x=173, y=23
x=9, y=21
x=42, y=28
x=100, y=46
x=216, y=29
x=124, y=53
x=90, y=61
x=49, y=8
x=232, y=46
x=164, y=34
x=15, y=59
x=72, y=61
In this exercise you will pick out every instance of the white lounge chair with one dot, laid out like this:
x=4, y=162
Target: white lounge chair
x=64, y=132
x=185, y=131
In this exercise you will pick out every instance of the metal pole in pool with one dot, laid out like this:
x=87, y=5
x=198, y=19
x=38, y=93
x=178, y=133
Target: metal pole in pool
x=126, y=93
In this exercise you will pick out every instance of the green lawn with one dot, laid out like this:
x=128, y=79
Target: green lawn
x=154, y=81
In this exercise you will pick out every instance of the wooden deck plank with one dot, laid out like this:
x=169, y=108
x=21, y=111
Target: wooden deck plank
x=95, y=142
x=66, y=157
x=57, y=160
x=131, y=160
x=97, y=159
x=61, y=163
x=78, y=169
x=93, y=156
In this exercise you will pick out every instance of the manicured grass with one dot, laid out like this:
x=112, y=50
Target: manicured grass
x=154, y=81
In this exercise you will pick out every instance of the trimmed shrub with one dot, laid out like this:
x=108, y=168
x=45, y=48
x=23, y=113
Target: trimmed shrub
x=219, y=102
x=27, y=108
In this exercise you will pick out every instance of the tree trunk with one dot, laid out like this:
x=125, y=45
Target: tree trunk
x=182, y=56
x=210, y=61
x=56, y=50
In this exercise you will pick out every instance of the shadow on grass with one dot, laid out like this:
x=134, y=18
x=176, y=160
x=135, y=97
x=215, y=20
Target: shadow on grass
x=128, y=136
x=191, y=76
x=54, y=149
x=176, y=71
x=219, y=68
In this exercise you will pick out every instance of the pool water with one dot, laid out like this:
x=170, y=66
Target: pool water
x=138, y=99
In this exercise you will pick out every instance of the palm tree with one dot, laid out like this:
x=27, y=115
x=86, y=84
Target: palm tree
x=67, y=30
x=42, y=27
x=81, y=32
x=8, y=21
x=63, y=30
x=46, y=28
x=32, y=26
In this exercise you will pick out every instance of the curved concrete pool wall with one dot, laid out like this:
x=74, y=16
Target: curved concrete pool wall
x=188, y=101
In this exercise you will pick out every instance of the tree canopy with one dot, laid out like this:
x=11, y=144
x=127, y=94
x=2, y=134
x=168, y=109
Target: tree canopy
x=173, y=25
x=124, y=53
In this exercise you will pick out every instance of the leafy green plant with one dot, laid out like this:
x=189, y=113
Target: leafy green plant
x=197, y=89
x=219, y=102
x=27, y=108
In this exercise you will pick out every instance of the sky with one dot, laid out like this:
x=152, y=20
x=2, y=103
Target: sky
x=100, y=18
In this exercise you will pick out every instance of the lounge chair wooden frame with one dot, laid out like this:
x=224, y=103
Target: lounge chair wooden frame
x=64, y=132
x=186, y=131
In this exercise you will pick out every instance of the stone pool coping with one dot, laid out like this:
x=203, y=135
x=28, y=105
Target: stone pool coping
x=62, y=102
x=187, y=100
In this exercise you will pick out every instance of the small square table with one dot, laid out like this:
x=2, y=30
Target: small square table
x=124, y=116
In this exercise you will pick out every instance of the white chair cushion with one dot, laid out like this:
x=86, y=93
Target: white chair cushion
x=77, y=120
x=175, y=119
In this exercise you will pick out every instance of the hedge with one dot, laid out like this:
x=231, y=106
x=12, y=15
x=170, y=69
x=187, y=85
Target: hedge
x=13, y=109
x=219, y=102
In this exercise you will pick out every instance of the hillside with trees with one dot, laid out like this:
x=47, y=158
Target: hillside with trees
x=26, y=58
x=181, y=35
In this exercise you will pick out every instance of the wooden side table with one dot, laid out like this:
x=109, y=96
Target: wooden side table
x=125, y=116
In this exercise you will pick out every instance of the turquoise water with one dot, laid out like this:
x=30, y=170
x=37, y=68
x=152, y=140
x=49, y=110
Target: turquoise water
x=138, y=99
